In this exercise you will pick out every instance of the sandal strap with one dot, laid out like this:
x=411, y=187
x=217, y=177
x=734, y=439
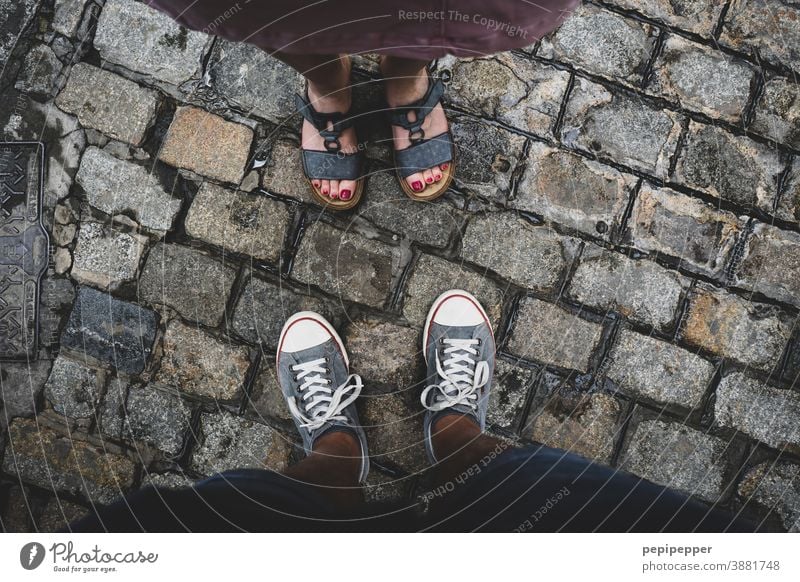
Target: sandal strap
x=423, y=155
x=331, y=166
x=339, y=122
x=421, y=108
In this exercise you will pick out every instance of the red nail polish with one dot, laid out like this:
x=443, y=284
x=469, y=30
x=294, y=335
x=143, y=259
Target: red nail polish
x=324, y=190
x=345, y=194
x=417, y=186
x=444, y=166
x=429, y=180
x=437, y=178
x=334, y=195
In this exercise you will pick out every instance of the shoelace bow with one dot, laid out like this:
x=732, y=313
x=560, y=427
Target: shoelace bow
x=321, y=403
x=461, y=376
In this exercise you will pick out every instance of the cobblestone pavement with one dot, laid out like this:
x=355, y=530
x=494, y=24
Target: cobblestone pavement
x=626, y=206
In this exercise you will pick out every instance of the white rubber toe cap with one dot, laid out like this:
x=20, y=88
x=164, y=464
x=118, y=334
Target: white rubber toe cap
x=457, y=308
x=305, y=330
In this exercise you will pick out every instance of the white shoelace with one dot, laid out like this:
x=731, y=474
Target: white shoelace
x=321, y=403
x=461, y=375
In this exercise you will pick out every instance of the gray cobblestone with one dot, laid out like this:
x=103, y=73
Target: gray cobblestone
x=109, y=103
x=22, y=382
x=645, y=367
x=777, y=113
x=144, y=40
x=266, y=399
x=67, y=16
x=546, y=333
x=167, y=480
x=573, y=191
x=620, y=127
x=56, y=462
x=73, y=389
x=698, y=16
x=776, y=486
x=531, y=256
x=263, y=308
x=253, y=80
x=664, y=221
x=510, y=388
x=16, y=17
x=195, y=139
x=679, y=457
x=58, y=514
x=110, y=330
x=40, y=72
x=251, y=224
x=789, y=204
x=751, y=333
x=158, y=418
x=394, y=432
x=767, y=414
x=398, y=363
x=603, y=43
x=199, y=364
x=105, y=257
x=638, y=289
x=433, y=276
x=771, y=264
x=522, y=93
x=230, y=442
x=702, y=79
x=187, y=280
x=283, y=172
x=105, y=180
x=768, y=26
x=111, y=412
x=345, y=264
x=736, y=169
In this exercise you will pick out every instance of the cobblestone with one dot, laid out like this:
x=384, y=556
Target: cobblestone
x=254, y=81
x=109, y=103
x=230, y=442
x=73, y=389
x=111, y=412
x=666, y=222
x=768, y=26
x=266, y=401
x=43, y=457
x=394, y=432
x=776, y=486
x=187, y=280
x=196, y=138
x=603, y=43
x=645, y=367
x=767, y=414
x=251, y=224
x=679, y=457
x=345, y=264
x=698, y=16
x=521, y=93
x=638, y=289
x=530, y=256
x=573, y=191
x=399, y=362
x=619, y=127
x=21, y=383
x=751, y=333
x=510, y=388
x=58, y=514
x=144, y=40
x=789, y=204
x=283, y=172
x=167, y=480
x=40, y=72
x=17, y=514
x=116, y=332
x=581, y=423
x=777, y=114
x=158, y=418
x=105, y=180
x=263, y=308
x=732, y=168
x=433, y=276
x=702, y=79
x=67, y=16
x=105, y=257
x=17, y=16
x=196, y=363
x=545, y=333
x=771, y=264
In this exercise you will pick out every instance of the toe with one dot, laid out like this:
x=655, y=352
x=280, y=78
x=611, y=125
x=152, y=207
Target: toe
x=443, y=167
x=346, y=190
x=316, y=183
x=416, y=181
x=325, y=187
x=334, y=192
x=428, y=176
x=437, y=174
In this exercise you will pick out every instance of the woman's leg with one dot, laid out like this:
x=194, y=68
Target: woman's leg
x=407, y=81
x=329, y=91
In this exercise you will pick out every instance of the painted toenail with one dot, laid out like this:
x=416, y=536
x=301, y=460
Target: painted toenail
x=345, y=194
x=417, y=186
x=445, y=166
x=437, y=178
x=324, y=190
x=429, y=180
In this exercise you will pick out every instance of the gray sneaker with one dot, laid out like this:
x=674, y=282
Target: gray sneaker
x=313, y=372
x=459, y=349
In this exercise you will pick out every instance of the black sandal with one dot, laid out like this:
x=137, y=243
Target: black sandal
x=330, y=164
x=423, y=153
